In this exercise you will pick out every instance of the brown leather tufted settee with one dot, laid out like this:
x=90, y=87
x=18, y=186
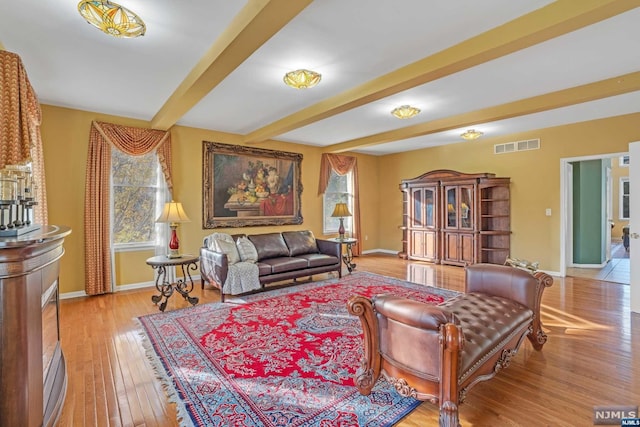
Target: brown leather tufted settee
x=437, y=353
x=279, y=256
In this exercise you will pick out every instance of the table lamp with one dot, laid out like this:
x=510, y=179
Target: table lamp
x=173, y=213
x=340, y=211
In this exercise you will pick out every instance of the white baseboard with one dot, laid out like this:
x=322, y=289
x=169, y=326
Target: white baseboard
x=597, y=266
x=120, y=288
x=76, y=294
x=384, y=251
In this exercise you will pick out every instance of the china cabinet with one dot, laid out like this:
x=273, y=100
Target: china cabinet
x=456, y=218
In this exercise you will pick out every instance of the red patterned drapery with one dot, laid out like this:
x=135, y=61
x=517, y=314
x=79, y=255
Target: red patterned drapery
x=20, y=119
x=342, y=165
x=97, y=227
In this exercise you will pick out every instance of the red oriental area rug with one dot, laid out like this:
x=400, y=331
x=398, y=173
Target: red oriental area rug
x=280, y=358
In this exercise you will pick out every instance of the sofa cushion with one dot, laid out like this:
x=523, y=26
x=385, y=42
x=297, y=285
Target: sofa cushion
x=319, y=260
x=282, y=264
x=264, y=269
x=486, y=322
x=269, y=245
x=300, y=242
x=247, y=250
x=229, y=249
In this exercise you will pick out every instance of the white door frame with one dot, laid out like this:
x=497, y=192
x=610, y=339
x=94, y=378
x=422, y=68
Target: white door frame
x=634, y=231
x=566, y=206
x=609, y=211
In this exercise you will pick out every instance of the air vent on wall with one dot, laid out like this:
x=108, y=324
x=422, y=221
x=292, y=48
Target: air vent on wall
x=510, y=147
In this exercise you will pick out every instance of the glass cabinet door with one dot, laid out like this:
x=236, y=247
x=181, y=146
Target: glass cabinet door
x=466, y=207
x=452, y=207
x=429, y=196
x=416, y=197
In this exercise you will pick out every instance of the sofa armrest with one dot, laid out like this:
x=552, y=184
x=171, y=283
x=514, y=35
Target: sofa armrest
x=412, y=313
x=214, y=266
x=502, y=281
x=407, y=339
x=328, y=247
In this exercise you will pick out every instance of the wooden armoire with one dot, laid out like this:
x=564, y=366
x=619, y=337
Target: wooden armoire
x=456, y=218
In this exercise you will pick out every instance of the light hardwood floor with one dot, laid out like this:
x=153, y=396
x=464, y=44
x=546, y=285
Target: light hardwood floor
x=592, y=357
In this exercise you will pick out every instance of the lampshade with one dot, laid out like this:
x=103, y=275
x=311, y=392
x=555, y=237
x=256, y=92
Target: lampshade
x=111, y=18
x=302, y=79
x=471, y=134
x=405, y=112
x=341, y=210
x=173, y=213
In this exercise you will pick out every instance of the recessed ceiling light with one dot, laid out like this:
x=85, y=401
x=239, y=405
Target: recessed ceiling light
x=405, y=112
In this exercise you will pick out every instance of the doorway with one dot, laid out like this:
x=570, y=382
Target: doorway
x=611, y=262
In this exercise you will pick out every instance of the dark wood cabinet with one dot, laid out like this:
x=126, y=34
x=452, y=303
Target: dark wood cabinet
x=456, y=218
x=32, y=368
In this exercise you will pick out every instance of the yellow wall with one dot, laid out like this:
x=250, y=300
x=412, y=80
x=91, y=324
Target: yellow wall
x=65, y=135
x=617, y=172
x=535, y=178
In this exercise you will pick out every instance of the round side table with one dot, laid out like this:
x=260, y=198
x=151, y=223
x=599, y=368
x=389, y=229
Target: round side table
x=183, y=286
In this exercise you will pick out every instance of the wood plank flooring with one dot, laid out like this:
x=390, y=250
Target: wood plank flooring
x=592, y=357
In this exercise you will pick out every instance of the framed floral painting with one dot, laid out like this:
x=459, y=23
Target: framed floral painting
x=246, y=186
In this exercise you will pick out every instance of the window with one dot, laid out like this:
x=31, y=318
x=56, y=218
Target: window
x=624, y=198
x=624, y=161
x=339, y=190
x=138, y=192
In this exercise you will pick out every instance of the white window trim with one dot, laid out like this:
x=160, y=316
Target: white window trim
x=348, y=221
x=160, y=234
x=624, y=161
x=621, y=201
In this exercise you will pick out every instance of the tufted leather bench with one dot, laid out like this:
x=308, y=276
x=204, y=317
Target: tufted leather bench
x=437, y=353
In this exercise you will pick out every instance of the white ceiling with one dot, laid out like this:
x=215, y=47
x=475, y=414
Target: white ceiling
x=350, y=42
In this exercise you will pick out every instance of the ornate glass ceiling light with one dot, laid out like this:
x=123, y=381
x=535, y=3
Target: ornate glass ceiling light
x=471, y=134
x=302, y=79
x=111, y=18
x=405, y=112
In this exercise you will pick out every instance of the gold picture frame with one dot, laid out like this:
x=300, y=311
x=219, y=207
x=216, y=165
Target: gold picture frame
x=246, y=186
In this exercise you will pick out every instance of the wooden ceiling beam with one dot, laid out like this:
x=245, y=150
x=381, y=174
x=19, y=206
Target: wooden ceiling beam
x=562, y=98
x=556, y=19
x=256, y=23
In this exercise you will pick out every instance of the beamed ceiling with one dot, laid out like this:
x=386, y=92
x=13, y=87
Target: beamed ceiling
x=497, y=66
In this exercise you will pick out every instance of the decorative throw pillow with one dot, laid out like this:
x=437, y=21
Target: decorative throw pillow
x=247, y=250
x=230, y=249
x=211, y=240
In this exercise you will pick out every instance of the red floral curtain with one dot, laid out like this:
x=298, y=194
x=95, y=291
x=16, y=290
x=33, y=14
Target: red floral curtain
x=20, y=119
x=97, y=227
x=342, y=165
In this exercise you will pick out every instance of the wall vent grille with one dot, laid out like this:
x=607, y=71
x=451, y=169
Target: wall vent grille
x=510, y=147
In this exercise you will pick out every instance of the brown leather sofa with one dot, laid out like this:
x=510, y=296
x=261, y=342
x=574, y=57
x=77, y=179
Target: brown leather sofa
x=437, y=353
x=280, y=256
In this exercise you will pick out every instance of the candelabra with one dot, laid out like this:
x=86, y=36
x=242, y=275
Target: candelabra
x=17, y=199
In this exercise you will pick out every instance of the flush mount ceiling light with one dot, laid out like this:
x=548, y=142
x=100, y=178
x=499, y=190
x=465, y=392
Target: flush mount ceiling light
x=471, y=134
x=405, y=112
x=111, y=18
x=302, y=79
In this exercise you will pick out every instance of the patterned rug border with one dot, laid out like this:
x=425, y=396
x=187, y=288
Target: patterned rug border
x=174, y=395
